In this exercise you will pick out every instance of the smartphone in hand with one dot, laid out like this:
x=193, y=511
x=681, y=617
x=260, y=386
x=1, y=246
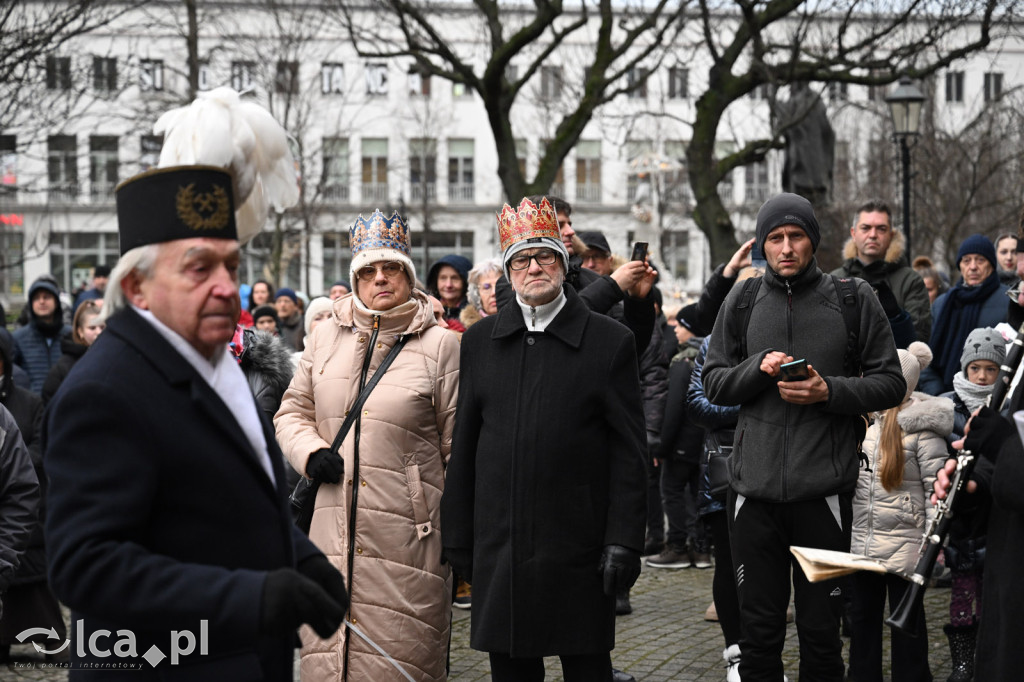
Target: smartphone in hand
x=794, y=371
x=639, y=251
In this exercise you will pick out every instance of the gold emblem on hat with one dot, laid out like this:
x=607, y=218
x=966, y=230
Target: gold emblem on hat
x=203, y=211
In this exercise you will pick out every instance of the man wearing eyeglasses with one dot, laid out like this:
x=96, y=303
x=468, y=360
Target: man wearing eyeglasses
x=538, y=511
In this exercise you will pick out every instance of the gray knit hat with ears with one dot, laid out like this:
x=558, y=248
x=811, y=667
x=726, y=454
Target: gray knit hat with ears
x=984, y=343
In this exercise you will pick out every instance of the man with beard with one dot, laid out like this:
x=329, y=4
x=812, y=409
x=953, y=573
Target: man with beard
x=37, y=344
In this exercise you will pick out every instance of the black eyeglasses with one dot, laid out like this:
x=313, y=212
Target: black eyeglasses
x=543, y=257
x=391, y=269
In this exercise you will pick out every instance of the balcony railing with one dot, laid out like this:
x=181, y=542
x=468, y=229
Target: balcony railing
x=461, y=192
x=757, y=195
x=64, y=193
x=375, y=191
x=589, y=192
x=101, y=193
x=335, y=193
x=420, y=190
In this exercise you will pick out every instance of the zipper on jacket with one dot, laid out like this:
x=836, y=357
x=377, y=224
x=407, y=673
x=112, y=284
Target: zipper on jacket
x=785, y=437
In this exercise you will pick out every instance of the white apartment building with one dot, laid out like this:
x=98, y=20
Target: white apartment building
x=374, y=133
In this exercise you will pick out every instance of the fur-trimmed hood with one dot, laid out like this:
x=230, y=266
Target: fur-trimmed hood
x=266, y=360
x=927, y=413
x=893, y=255
x=470, y=316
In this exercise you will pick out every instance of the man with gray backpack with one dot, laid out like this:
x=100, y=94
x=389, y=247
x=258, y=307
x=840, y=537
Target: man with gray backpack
x=781, y=351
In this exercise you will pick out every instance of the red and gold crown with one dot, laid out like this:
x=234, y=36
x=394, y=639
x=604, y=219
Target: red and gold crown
x=529, y=222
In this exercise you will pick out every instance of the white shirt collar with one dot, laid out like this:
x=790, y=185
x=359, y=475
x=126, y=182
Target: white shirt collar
x=538, y=318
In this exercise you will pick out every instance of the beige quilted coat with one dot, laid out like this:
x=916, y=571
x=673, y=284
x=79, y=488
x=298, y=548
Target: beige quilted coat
x=401, y=593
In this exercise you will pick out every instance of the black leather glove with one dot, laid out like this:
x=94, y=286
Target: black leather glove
x=461, y=561
x=887, y=299
x=620, y=567
x=989, y=431
x=291, y=599
x=325, y=466
x=320, y=570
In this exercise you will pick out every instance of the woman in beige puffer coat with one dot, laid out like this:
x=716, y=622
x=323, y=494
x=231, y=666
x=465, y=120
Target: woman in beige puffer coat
x=400, y=590
x=905, y=448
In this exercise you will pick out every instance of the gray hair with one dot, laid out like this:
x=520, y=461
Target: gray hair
x=473, y=291
x=141, y=259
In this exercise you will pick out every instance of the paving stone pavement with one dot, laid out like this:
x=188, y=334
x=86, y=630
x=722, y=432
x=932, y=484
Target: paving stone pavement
x=665, y=638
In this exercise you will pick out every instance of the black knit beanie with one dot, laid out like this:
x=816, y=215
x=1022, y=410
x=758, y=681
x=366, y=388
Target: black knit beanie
x=787, y=209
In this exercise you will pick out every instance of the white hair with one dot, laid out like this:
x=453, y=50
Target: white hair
x=141, y=259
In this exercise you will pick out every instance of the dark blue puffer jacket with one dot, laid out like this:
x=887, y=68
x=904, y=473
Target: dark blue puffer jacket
x=37, y=345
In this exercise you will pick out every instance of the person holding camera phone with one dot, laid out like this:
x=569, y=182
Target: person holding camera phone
x=794, y=463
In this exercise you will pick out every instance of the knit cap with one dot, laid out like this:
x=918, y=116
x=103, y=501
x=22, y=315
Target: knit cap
x=913, y=359
x=290, y=293
x=980, y=245
x=984, y=343
x=789, y=209
x=315, y=307
x=261, y=311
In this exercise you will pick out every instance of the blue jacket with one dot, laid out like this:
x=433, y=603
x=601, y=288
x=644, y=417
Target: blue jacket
x=35, y=351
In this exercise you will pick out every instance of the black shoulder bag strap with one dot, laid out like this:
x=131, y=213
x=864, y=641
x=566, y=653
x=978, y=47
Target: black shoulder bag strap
x=746, y=302
x=303, y=498
x=846, y=290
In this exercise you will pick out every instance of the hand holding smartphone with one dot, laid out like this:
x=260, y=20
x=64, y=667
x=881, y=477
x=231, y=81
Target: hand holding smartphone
x=639, y=251
x=794, y=371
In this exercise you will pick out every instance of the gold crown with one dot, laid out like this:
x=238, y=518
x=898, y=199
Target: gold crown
x=379, y=233
x=529, y=222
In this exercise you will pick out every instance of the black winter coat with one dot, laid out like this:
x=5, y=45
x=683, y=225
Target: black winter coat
x=19, y=499
x=547, y=468
x=654, y=387
x=160, y=514
x=72, y=353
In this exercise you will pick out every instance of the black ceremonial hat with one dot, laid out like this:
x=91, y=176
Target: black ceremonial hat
x=179, y=202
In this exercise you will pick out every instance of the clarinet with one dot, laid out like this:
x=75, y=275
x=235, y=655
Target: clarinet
x=905, y=615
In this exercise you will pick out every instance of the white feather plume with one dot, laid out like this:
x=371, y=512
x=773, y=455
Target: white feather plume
x=220, y=129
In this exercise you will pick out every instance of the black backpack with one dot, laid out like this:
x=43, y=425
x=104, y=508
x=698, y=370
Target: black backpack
x=846, y=291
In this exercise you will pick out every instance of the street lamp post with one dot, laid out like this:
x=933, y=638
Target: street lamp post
x=905, y=105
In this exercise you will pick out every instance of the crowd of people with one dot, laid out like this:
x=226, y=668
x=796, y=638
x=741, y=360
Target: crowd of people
x=154, y=425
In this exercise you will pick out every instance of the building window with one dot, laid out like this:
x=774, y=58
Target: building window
x=62, y=167
x=838, y=92
x=550, y=82
x=8, y=165
x=993, y=87
x=286, y=80
x=757, y=190
x=58, y=73
x=334, y=181
x=558, y=185
x=243, y=76
x=151, y=75
x=522, y=151
x=73, y=255
x=636, y=80
x=256, y=258
x=440, y=243
x=764, y=91
x=460, y=171
x=511, y=73
x=375, y=170
x=376, y=79
x=954, y=86
x=675, y=249
x=149, y=151
x=419, y=82
x=460, y=90
x=12, y=254
x=337, y=258
x=677, y=182
x=678, y=82
x=637, y=187
x=588, y=171
x=104, y=74
x=332, y=79
x=726, y=184
x=102, y=166
x=423, y=169
x=204, y=76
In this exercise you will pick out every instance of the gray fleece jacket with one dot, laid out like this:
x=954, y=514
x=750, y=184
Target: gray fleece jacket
x=785, y=452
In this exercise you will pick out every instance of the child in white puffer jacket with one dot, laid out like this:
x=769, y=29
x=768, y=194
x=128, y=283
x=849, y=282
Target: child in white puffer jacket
x=905, y=447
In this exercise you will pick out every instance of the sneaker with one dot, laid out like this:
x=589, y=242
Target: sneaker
x=711, y=615
x=731, y=656
x=653, y=546
x=670, y=557
x=622, y=605
x=702, y=560
x=463, y=595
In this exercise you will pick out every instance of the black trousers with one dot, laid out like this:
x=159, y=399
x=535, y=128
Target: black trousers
x=867, y=616
x=588, y=668
x=680, y=481
x=723, y=586
x=761, y=534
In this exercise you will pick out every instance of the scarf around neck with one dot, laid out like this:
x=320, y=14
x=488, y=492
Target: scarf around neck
x=957, y=319
x=973, y=395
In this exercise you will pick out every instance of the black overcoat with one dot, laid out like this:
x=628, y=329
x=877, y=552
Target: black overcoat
x=547, y=468
x=160, y=515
